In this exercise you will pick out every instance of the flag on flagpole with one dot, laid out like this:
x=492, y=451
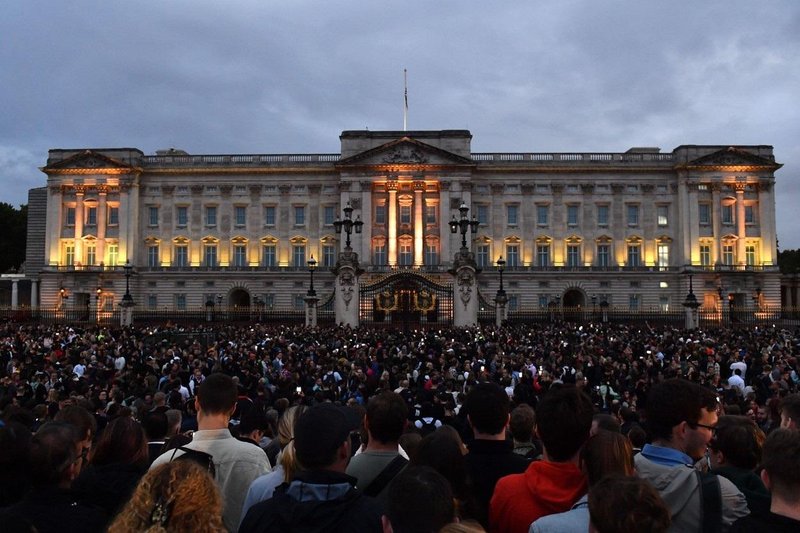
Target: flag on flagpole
x=405, y=99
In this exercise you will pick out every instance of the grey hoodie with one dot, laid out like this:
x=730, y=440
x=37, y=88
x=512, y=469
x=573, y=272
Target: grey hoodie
x=680, y=489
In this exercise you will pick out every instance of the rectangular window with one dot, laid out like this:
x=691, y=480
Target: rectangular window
x=603, y=255
x=573, y=255
x=431, y=254
x=240, y=255
x=69, y=255
x=543, y=301
x=749, y=215
x=268, y=255
x=181, y=216
x=750, y=254
x=240, y=215
x=602, y=215
x=180, y=302
x=329, y=214
x=379, y=254
x=298, y=301
x=633, y=302
x=405, y=214
x=572, y=215
x=634, y=255
x=299, y=255
x=406, y=256
x=269, y=215
x=299, y=215
x=153, y=256
x=181, y=256
x=512, y=256
x=663, y=303
x=705, y=255
x=430, y=214
x=543, y=255
x=727, y=255
x=663, y=255
x=380, y=214
x=512, y=214
x=91, y=216
x=704, y=214
x=482, y=255
x=662, y=215
x=69, y=216
x=483, y=214
x=542, y=215
x=210, y=255
x=632, y=214
x=113, y=255
x=91, y=254
x=113, y=216
x=513, y=302
x=727, y=214
x=152, y=301
x=152, y=216
x=328, y=256
x=211, y=215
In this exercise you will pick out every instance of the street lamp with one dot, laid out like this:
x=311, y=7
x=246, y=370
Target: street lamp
x=312, y=266
x=127, y=299
x=501, y=264
x=463, y=224
x=348, y=224
x=692, y=304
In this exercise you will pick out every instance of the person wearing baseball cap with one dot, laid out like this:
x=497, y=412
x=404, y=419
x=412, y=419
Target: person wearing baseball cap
x=321, y=497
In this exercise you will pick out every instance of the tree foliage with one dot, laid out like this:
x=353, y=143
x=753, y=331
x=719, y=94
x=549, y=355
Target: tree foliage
x=789, y=261
x=13, y=236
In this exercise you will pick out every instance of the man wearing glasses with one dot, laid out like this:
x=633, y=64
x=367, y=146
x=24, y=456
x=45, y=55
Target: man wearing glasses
x=682, y=419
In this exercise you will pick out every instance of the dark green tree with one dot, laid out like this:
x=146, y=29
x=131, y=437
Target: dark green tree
x=13, y=236
x=789, y=261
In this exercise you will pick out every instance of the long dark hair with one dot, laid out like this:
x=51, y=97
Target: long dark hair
x=122, y=441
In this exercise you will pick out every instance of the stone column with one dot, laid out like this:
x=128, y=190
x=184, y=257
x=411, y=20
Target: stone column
x=465, y=299
x=79, y=194
x=391, y=187
x=444, y=218
x=741, y=232
x=366, y=217
x=101, y=225
x=419, y=222
x=716, y=222
x=14, y=293
x=311, y=311
x=34, y=294
x=347, y=291
x=501, y=309
x=766, y=221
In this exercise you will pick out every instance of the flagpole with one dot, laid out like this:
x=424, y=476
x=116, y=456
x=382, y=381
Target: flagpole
x=405, y=100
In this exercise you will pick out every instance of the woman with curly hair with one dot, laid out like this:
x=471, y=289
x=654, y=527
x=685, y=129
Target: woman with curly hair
x=178, y=496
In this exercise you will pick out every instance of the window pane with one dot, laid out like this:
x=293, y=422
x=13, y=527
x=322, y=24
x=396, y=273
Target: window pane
x=483, y=213
x=299, y=215
x=240, y=213
x=572, y=215
x=269, y=255
x=602, y=215
x=211, y=216
x=269, y=215
x=380, y=214
x=542, y=215
x=329, y=215
x=182, y=215
x=633, y=215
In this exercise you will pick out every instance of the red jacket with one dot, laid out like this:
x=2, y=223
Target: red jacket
x=544, y=488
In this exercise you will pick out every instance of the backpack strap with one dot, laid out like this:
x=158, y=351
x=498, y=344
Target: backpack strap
x=387, y=474
x=710, y=502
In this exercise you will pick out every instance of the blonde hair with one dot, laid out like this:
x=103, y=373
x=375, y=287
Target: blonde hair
x=286, y=440
x=176, y=496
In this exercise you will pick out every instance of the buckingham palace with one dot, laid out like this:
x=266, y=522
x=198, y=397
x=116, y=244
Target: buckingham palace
x=405, y=225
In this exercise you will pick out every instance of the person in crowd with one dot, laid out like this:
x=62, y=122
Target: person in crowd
x=174, y=421
x=118, y=463
x=51, y=506
x=321, y=497
x=554, y=484
x=682, y=418
x=86, y=426
x=790, y=411
x=236, y=463
x=419, y=500
x=156, y=426
x=384, y=422
x=623, y=504
x=735, y=452
x=252, y=428
x=175, y=496
x=606, y=453
x=523, y=420
x=604, y=421
x=491, y=455
x=15, y=442
x=262, y=487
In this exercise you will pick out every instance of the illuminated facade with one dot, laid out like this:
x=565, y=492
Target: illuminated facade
x=574, y=228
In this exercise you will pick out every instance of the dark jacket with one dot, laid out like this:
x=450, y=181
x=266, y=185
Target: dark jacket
x=108, y=486
x=315, y=501
x=756, y=494
x=488, y=461
x=54, y=510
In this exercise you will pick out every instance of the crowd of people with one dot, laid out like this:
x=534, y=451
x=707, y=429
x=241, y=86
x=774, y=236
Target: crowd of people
x=541, y=428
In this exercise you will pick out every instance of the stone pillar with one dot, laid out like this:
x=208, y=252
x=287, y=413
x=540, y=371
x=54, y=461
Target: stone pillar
x=126, y=315
x=14, y=293
x=79, y=194
x=101, y=226
x=766, y=221
x=716, y=222
x=419, y=222
x=346, y=286
x=501, y=309
x=391, y=187
x=740, y=226
x=311, y=311
x=34, y=294
x=465, y=299
x=444, y=218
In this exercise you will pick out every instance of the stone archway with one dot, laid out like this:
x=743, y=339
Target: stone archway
x=573, y=302
x=239, y=298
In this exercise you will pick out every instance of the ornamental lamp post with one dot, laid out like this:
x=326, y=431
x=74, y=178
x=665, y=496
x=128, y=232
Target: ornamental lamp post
x=691, y=304
x=348, y=224
x=501, y=264
x=312, y=266
x=463, y=224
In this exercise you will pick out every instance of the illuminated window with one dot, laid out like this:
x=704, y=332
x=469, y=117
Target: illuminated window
x=727, y=254
x=512, y=255
x=663, y=255
x=69, y=255
x=113, y=255
x=91, y=254
x=405, y=256
x=379, y=254
x=152, y=256
x=705, y=254
x=750, y=254
x=662, y=215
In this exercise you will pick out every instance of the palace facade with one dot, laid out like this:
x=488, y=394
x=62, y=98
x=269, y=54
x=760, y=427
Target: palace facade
x=576, y=229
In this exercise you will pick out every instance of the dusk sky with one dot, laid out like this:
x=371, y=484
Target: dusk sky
x=288, y=77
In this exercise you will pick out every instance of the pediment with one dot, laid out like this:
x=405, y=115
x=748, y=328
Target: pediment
x=89, y=160
x=732, y=157
x=405, y=151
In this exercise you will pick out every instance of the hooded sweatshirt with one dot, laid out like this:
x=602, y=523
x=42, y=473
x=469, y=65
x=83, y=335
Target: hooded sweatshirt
x=544, y=488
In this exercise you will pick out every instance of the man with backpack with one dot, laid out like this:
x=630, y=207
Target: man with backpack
x=682, y=418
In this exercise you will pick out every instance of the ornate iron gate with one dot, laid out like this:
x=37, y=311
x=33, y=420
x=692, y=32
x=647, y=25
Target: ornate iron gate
x=406, y=299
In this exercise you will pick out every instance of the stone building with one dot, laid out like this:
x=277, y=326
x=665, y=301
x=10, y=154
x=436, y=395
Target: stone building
x=574, y=229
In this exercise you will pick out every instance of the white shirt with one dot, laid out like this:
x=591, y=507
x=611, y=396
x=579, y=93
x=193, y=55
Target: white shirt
x=738, y=382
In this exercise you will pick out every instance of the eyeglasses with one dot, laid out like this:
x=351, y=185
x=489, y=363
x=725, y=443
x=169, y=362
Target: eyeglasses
x=695, y=425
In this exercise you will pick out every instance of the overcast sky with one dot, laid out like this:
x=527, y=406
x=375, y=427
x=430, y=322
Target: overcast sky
x=288, y=76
